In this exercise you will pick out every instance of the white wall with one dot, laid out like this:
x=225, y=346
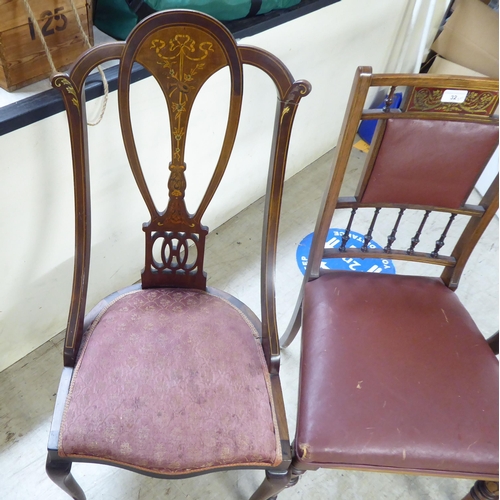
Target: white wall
x=36, y=225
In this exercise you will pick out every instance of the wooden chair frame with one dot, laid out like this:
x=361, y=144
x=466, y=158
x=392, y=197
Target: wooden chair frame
x=480, y=215
x=175, y=217
x=417, y=106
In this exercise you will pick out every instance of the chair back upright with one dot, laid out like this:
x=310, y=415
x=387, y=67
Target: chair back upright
x=181, y=50
x=426, y=156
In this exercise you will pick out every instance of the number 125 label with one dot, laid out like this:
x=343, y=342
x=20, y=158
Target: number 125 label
x=54, y=21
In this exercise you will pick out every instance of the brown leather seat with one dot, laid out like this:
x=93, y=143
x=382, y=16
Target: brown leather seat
x=395, y=376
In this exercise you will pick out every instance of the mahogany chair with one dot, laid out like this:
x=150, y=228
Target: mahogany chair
x=171, y=378
x=394, y=374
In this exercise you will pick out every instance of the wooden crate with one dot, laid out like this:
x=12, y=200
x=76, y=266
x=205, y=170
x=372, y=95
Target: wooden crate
x=22, y=56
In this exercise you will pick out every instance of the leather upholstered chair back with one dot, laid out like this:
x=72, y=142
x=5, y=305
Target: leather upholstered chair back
x=425, y=157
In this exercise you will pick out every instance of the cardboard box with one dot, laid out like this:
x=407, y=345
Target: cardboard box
x=22, y=56
x=470, y=38
x=441, y=66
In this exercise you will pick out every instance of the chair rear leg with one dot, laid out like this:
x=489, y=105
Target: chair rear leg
x=295, y=476
x=60, y=472
x=493, y=342
x=294, y=326
x=275, y=482
x=483, y=490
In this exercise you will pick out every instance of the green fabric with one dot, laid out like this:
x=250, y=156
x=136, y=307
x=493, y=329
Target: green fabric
x=116, y=19
x=224, y=10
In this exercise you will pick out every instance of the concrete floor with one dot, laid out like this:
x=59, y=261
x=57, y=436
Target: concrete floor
x=27, y=389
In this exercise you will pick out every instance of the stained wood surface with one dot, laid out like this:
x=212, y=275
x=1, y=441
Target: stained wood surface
x=422, y=101
x=181, y=49
x=22, y=57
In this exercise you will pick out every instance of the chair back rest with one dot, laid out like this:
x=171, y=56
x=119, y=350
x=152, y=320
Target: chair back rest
x=426, y=156
x=181, y=50
x=181, y=56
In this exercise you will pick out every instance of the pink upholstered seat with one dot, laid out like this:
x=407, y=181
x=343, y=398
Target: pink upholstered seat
x=373, y=397
x=171, y=381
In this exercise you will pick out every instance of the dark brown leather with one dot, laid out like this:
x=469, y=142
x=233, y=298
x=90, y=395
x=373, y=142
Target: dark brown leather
x=413, y=167
x=395, y=375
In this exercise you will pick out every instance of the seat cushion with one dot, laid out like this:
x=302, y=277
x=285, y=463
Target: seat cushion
x=395, y=376
x=171, y=382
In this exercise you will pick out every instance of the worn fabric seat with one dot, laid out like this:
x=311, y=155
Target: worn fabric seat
x=373, y=398
x=134, y=401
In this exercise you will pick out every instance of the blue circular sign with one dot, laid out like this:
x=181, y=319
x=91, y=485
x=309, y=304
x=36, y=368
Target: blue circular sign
x=356, y=240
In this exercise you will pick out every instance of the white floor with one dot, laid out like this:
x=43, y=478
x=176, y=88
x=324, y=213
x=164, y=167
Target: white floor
x=27, y=389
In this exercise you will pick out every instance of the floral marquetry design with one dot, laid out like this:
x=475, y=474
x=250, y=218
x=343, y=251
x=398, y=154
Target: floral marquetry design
x=476, y=102
x=182, y=47
x=183, y=58
x=170, y=377
x=63, y=82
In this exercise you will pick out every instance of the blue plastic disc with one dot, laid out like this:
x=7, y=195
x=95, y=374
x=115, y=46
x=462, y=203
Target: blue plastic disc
x=333, y=240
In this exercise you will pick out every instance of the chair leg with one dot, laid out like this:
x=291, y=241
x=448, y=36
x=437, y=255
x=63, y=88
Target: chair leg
x=60, y=472
x=483, y=490
x=275, y=482
x=493, y=342
x=294, y=326
x=295, y=476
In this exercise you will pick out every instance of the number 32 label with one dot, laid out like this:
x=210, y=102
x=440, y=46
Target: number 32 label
x=456, y=96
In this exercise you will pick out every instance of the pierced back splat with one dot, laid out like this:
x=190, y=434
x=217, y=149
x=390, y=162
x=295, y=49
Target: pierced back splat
x=181, y=57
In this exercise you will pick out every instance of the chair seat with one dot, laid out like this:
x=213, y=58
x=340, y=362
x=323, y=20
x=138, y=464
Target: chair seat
x=402, y=382
x=171, y=381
